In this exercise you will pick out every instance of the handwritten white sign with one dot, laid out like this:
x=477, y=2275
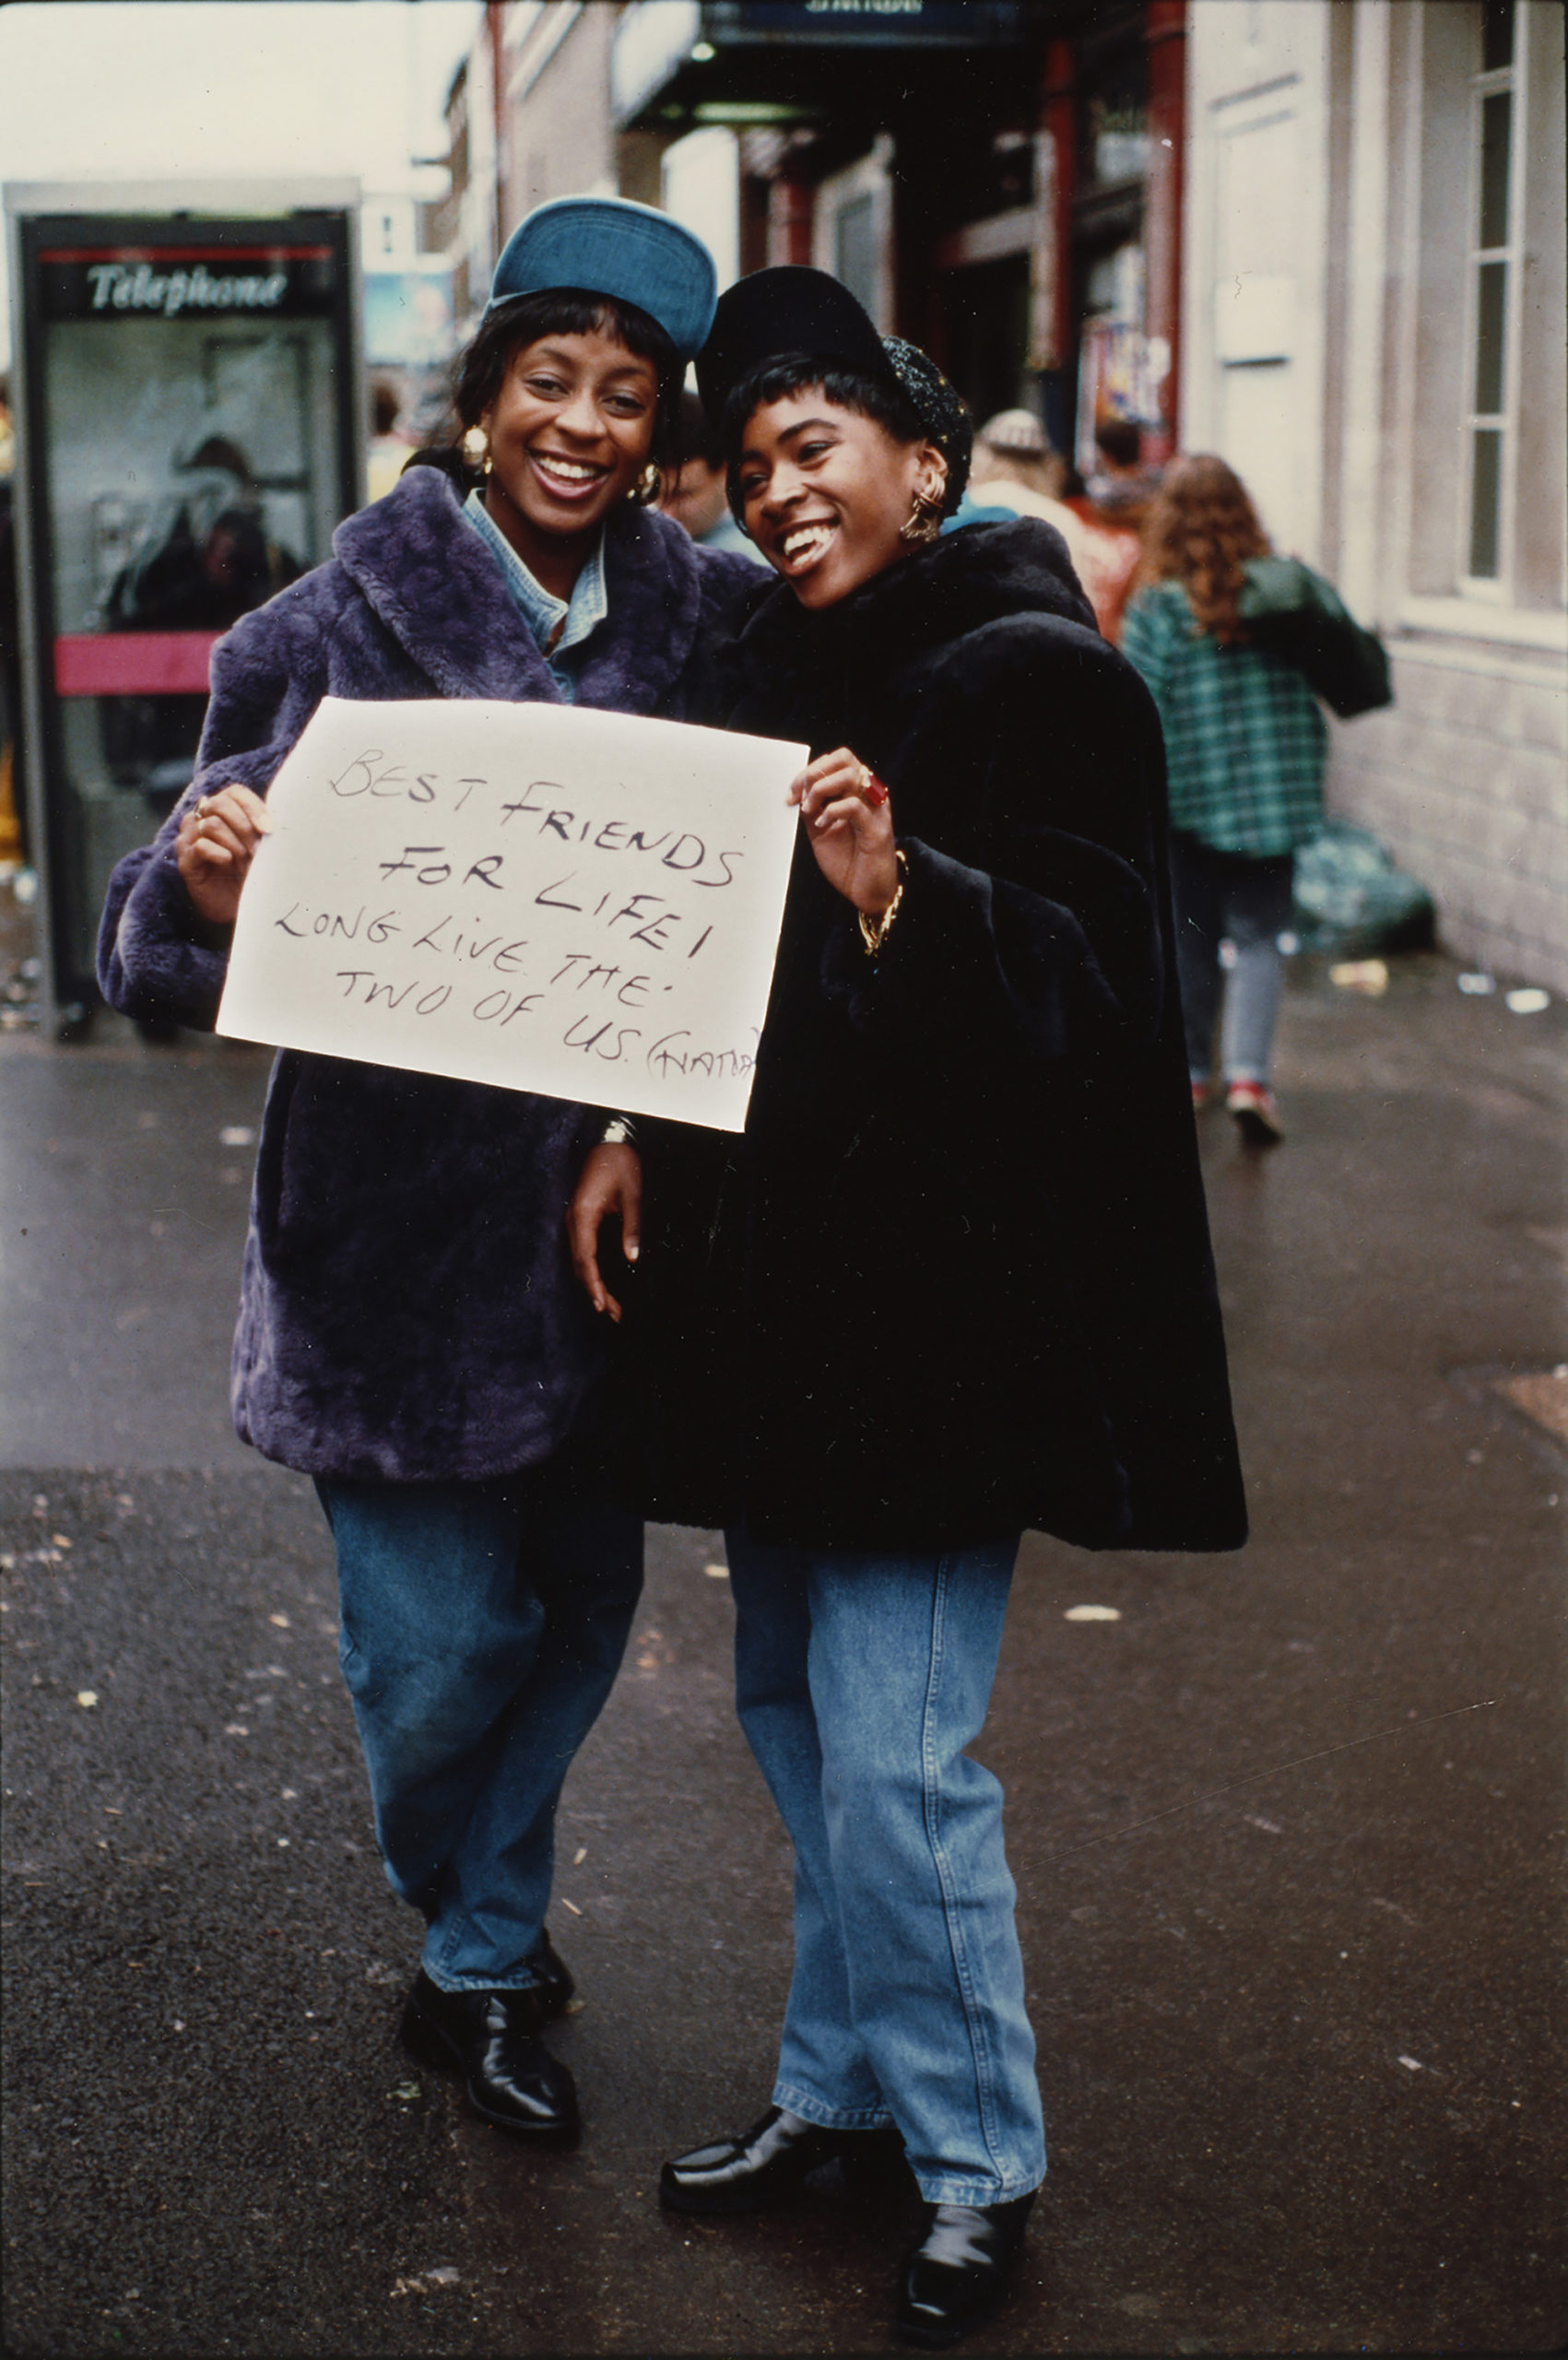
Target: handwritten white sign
x=545, y=897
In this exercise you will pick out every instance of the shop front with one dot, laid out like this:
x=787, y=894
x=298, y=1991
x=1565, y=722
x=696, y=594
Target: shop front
x=1003, y=184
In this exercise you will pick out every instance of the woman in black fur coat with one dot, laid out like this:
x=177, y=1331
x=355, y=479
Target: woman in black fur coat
x=409, y=1331
x=954, y=1281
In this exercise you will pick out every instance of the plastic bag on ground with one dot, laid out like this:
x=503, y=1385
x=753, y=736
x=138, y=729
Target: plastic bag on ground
x=1350, y=895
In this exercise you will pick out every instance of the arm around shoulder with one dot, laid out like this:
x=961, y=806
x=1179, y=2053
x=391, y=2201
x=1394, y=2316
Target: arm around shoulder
x=730, y=585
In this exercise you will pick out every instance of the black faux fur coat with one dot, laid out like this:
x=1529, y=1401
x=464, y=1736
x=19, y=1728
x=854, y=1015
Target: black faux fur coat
x=955, y=1281
x=407, y=1310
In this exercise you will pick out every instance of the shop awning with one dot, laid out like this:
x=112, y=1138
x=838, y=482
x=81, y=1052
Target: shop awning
x=680, y=64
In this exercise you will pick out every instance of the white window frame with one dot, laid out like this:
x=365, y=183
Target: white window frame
x=1494, y=589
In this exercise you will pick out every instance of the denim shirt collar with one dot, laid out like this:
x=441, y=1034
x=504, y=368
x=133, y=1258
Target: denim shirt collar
x=586, y=608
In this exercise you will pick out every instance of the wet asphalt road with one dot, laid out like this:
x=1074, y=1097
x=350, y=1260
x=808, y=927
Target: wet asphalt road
x=1287, y=1833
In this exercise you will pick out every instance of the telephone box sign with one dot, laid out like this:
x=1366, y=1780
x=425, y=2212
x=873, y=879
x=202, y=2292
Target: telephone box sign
x=77, y=282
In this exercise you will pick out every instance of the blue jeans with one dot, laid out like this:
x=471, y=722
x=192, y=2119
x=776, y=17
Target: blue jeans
x=860, y=1679
x=483, y=1625
x=1229, y=896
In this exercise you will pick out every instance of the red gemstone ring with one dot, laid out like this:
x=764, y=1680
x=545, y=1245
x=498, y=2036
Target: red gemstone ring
x=871, y=788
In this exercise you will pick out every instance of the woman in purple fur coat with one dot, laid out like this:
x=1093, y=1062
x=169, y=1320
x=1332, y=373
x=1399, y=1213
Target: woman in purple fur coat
x=410, y=1332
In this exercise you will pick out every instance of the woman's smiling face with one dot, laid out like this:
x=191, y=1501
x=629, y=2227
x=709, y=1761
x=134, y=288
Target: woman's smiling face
x=826, y=491
x=568, y=434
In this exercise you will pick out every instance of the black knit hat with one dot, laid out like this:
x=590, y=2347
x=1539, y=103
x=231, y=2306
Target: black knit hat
x=793, y=309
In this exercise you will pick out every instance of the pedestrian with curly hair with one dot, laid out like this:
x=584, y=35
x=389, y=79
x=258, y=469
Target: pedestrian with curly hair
x=1246, y=746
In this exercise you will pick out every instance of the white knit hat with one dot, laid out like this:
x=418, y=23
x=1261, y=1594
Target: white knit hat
x=1017, y=430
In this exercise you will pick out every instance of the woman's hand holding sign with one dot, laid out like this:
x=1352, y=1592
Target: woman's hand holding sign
x=215, y=848
x=848, y=818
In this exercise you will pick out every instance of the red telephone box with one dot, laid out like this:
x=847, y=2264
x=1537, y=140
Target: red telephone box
x=189, y=411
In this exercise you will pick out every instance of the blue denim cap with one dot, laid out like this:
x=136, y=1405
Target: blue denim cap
x=607, y=245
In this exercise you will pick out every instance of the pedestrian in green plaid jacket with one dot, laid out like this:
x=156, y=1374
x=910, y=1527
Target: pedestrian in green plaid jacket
x=1245, y=743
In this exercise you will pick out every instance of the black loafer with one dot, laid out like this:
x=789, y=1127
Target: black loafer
x=492, y=2040
x=957, y=2273
x=767, y=2166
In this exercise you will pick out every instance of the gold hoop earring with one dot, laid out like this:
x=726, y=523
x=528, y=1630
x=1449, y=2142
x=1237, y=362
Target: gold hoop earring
x=924, y=523
x=649, y=485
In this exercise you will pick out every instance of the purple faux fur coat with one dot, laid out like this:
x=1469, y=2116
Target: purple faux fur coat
x=407, y=1310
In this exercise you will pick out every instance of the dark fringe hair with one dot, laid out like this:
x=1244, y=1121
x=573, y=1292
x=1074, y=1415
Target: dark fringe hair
x=776, y=379
x=1200, y=528
x=479, y=370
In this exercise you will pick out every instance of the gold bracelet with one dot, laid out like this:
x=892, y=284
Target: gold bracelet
x=873, y=931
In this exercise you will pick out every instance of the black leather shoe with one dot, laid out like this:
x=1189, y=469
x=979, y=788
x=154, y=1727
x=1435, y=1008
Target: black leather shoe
x=492, y=2040
x=765, y=2167
x=957, y=2273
